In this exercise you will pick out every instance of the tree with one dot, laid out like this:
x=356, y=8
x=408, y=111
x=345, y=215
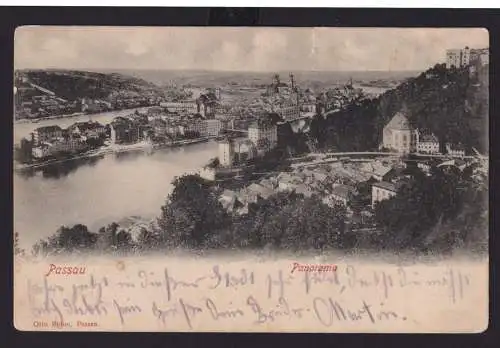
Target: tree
x=192, y=213
x=317, y=129
x=107, y=237
x=431, y=212
x=77, y=237
x=124, y=241
x=148, y=240
x=290, y=221
x=67, y=240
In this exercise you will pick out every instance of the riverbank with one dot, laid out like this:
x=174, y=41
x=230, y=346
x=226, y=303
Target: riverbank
x=111, y=149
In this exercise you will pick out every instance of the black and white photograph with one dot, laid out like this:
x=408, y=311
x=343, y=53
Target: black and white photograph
x=251, y=179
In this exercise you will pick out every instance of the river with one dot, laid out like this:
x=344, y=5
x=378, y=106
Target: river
x=98, y=191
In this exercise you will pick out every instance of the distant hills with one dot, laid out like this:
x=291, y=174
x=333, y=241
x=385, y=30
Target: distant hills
x=305, y=79
x=73, y=85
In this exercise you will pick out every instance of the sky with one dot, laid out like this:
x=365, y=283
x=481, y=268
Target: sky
x=239, y=48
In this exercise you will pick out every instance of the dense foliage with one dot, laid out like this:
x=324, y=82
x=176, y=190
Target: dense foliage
x=441, y=211
x=192, y=214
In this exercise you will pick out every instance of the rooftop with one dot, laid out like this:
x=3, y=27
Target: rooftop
x=455, y=146
x=428, y=138
x=376, y=168
x=158, y=123
x=87, y=125
x=302, y=189
x=343, y=191
x=261, y=190
x=48, y=129
x=386, y=185
x=399, y=122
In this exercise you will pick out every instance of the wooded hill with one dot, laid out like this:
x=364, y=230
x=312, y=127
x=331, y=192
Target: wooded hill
x=72, y=85
x=451, y=103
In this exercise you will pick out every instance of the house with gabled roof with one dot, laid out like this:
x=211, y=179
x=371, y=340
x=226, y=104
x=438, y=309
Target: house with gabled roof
x=399, y=135
x=340, y=194
x=384, y=190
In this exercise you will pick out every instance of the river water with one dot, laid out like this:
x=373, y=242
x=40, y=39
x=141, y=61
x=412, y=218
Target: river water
x=98, y=191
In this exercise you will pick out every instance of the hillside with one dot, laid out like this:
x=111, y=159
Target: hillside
x=453, y=104
x=73, y=85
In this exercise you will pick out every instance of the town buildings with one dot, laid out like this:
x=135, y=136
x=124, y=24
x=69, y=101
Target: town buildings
x=482, y=56
x=95, y=105
x=87, y=130
x=427, y=143
x=214, y=127
x=455, y=149
x=55, y=147
x=308, y=106
x=183, y=106
x=41, y=151
x=46, y=133
x=459, y=58
x=159, y=127
x=194, y=128
x=288, y=111
x=124, y=130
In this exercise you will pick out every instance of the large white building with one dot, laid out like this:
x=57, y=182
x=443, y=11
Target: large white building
x=263, y=134
x=47, y=133
x=462, y=57
x=398, y=134
x=213, y=127
x=55, y=148
x=457, y=57
x=236, y=152
x=226, y=153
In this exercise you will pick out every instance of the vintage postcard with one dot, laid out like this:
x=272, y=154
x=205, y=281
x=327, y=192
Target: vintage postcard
x=219, y=179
